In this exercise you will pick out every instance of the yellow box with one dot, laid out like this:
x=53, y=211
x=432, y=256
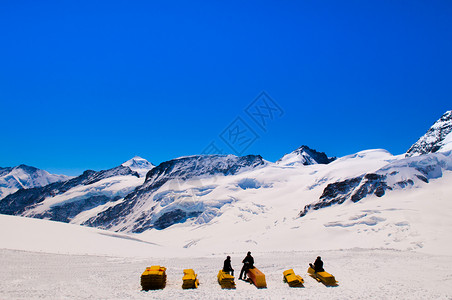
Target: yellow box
x=324, y=277
x=153, y=278
x=257, y=277
x=292, y=279
x=190, y=280
x=226, y=280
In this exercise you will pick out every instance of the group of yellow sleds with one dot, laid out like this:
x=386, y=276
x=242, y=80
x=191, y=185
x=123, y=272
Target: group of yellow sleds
x=154, y=278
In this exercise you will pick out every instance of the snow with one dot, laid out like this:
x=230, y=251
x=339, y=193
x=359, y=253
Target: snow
x=26, y=177
x=293, y=158
x=116, y=186
x=447, y=143
x=51, y=260
x=38, y=235
x=393, y=247
x=435, y=138
x=362, y=274
x=139, y=165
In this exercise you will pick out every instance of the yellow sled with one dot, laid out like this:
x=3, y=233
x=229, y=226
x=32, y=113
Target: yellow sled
x=190, y=280
x=226, y=280
x=153, y=278
x=324, y=277
x=257, y=277
x=292, y=279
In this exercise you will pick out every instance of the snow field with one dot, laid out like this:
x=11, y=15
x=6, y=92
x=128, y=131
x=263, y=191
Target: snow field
x=362, y=274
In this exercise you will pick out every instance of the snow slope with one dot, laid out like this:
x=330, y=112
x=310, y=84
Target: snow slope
x=44, y=259
x=258, y=208
x=359, y=243
x=24, y=177
x=413, y=219
x=36, y=235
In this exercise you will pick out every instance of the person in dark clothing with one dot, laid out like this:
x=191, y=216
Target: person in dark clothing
x=227, y=266
x=318, y=265
x=248, y=263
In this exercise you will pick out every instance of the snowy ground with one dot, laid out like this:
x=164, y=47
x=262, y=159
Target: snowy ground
x=362, y=274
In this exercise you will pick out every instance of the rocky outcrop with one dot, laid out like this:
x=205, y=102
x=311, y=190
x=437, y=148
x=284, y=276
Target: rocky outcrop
x=305, y=156
x=434, y=139
x=353, y=189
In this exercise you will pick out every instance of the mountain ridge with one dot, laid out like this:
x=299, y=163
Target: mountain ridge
x=305, y=156
x=23, y=176
x=434, y=139
x=198, y=189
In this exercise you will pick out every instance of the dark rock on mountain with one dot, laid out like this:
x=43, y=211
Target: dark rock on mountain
x=20, y=201
x=354, y=189
x=184, y=168
x=398, y=174
x=170, y=218
x=305, y=156
x=199, y=165
x=433, y=140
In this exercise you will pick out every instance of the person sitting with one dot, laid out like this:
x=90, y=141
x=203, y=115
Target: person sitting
x=248, y=263
x=227, y=266
x=318, y=265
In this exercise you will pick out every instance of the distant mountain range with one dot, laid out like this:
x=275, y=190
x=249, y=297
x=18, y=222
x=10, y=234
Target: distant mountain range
x=197, y=190
x=13, y=179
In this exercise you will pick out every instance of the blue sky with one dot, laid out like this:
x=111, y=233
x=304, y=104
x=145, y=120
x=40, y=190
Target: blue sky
x=90, y=84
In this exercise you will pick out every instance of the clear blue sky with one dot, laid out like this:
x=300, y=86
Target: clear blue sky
x=89, y=84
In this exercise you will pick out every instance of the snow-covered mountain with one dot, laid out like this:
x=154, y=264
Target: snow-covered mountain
x=371, y=207
x=24, y=177
x=62, y=201
x=437, y=138
x=153, y=206
x=139, y=165
x=305, y=156
x=188, y=201
x=398, y=174
x=107, y=198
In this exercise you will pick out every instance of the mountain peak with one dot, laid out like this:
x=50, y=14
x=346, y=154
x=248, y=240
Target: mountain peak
x=304, y=156
x=139, y=165
x=23, y=176
x=26, y=168
x=437, y=138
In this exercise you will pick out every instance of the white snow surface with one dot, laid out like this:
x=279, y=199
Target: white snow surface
x=362, y=274
x=295, y=158
x=447, y=143
x=24, y=177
